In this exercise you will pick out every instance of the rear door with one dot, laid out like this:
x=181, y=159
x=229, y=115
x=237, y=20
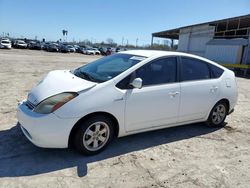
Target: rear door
x=199, y=91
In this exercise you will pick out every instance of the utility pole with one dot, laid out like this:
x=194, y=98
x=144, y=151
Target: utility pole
x=136, y=42
x=122, y=40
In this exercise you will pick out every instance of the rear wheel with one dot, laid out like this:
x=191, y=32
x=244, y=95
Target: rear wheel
x=218, y=114
x=93, y=135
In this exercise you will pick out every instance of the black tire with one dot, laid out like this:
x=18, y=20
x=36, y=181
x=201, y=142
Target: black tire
x=82, y=137
x=214, y=114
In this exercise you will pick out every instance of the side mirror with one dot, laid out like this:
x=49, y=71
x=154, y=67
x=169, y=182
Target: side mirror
x=137, y=83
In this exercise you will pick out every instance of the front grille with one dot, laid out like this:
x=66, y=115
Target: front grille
x=30, y=105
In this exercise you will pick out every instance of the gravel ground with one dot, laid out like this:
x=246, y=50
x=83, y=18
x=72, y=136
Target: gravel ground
x=186, y=156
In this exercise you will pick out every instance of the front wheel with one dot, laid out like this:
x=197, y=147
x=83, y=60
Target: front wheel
x=218, y=114
x=93, y=135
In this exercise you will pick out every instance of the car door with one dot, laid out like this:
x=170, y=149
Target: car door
x=199, y=91
x=157, y=102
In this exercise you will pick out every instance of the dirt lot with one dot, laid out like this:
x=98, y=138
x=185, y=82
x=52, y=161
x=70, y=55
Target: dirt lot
x=187, y=156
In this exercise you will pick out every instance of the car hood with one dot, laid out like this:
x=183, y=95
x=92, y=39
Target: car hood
x=56, y=82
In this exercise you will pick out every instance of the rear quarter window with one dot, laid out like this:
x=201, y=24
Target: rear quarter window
x=216, y=72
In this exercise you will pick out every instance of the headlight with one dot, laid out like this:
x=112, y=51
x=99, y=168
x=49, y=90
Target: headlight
x=52, y=103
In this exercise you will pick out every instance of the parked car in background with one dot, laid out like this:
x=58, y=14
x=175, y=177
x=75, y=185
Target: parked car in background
x=30, y=43
x=81, y=50
x=67, y=48
x=53, y=47
x=117, y=50
x=89, y=51
x=20, y=44
x=126, y=93
x=45, y=46
x=108, y=51
x=97, y=52
x=5, y=43
x=71, y=48
x=64, y=49
x=103, y=51
x=35, y=45
x=77, y=48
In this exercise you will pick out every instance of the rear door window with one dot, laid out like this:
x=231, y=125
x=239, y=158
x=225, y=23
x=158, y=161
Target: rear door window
x=194, y=69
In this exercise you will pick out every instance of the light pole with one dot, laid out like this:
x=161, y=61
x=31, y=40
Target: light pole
x=136, y=42
x=122, y=40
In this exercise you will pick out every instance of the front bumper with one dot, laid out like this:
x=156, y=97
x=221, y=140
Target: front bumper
x=44, y=130
x=5, y=46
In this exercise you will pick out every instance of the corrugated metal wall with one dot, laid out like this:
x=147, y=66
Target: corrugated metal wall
x=197, y=40
x=224, y=53
x=193, y=39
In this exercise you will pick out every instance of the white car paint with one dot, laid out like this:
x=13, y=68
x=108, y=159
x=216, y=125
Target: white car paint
x=20, y=44
x=5, y=43
x=97, y=52
x=136, y=110
x=154, y=112
x=89, y=51
x=46, y=87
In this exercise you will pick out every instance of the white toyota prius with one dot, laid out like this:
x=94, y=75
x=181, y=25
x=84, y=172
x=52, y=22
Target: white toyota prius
x=125, y=93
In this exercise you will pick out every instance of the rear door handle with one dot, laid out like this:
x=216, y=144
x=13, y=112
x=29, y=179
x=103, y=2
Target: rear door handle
x=214, y=89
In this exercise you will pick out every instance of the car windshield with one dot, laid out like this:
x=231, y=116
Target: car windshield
x=108, y=67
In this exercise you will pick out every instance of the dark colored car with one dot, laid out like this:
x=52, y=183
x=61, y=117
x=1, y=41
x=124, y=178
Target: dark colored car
x=67, y=48
x=77, y=48
x=35, y=46
x=103, y=51
x=53, y=47
x=81, y=50
x=117, y=50
x=45, y=46
x=64, y=49
x=109, y=51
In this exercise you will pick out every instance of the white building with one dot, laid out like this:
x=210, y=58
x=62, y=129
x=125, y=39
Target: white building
x=225, y=41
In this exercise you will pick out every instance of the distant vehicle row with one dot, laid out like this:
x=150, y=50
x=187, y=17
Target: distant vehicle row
x=57, y=47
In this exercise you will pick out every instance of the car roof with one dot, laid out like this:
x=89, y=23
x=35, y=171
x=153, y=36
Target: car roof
x=159, y=53
x=152, y=53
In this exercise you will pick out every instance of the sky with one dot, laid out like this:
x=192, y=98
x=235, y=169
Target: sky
x=98, y=20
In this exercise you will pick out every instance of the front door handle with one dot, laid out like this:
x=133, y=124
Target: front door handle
x=173, y=94
x=119, y=99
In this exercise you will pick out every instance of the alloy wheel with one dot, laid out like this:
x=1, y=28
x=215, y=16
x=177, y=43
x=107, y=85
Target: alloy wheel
x=96, y=136
x=218, y=114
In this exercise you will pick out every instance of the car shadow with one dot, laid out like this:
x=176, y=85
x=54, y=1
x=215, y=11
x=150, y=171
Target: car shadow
x=18, y=157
